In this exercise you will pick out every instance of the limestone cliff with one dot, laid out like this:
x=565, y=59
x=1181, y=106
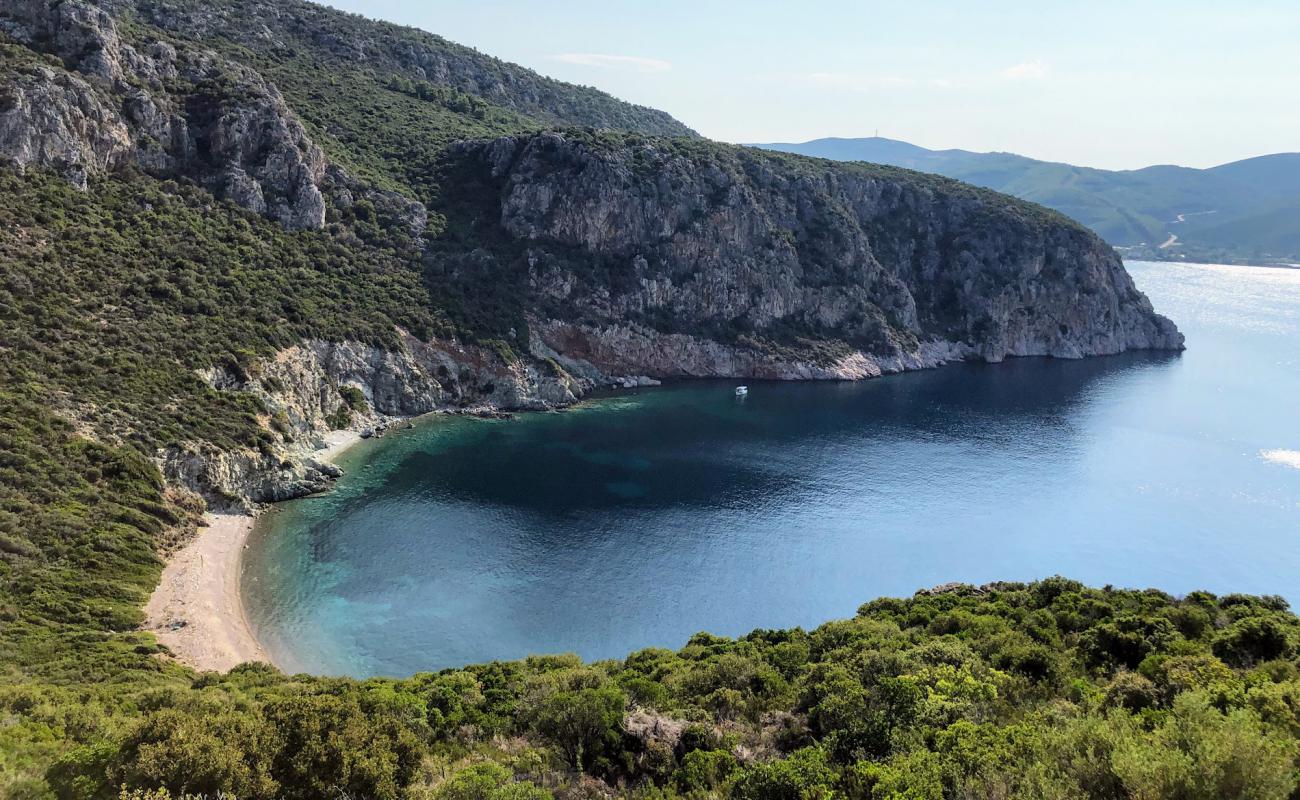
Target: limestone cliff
x=172, y=111
x=638, y=255
x=301, y=389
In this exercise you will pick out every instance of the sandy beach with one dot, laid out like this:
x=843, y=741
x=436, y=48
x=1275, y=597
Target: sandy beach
x=197, y=609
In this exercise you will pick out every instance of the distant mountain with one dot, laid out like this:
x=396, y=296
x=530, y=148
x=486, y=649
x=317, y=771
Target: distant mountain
x=1244, y=211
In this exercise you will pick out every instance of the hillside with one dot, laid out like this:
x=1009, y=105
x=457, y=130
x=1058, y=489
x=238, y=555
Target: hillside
x=229, y=228
x=1243, y=211
x=357, y=247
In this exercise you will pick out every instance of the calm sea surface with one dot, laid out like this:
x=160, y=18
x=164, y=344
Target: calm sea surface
x=639, y=519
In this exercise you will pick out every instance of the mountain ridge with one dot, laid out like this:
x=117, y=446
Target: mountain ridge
x=1233, y=212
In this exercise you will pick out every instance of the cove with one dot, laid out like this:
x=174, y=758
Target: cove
x=638, y=519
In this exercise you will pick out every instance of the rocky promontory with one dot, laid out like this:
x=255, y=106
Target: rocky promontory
x=676, y=258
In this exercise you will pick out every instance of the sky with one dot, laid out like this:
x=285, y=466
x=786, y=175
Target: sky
x=1117, y=85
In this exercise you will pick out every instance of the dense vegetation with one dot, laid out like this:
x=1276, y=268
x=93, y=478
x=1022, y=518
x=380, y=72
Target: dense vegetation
x=111, y=299
x=1243, y=211
x=1042, y=690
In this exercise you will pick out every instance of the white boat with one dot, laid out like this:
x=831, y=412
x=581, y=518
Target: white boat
x=741, y=391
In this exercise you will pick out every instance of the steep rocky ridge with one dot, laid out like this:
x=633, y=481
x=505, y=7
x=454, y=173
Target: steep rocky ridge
x=541, y=264
x=670, y=258
x=330, y=36
x=174, y=112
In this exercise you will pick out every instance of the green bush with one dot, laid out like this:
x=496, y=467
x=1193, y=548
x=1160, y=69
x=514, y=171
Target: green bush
x=585, y=725
x=488, y=782
x=705, y=770
x=805, y=775
x=354, y=399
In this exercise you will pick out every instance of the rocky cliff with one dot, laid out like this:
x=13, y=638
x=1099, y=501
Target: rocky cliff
x=670, y=258
x=102, y=103
x=303, y=390
x=544, y=263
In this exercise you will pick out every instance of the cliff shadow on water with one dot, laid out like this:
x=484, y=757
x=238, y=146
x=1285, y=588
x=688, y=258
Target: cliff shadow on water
x=640, y=518
x=689, y=441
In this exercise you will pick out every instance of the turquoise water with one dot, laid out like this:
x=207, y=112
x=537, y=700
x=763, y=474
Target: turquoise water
x=639, y=519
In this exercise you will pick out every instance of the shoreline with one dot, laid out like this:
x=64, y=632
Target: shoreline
x=197, y=609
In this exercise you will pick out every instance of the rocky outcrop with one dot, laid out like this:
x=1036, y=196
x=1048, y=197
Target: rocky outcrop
x=303, y=381
x=51, y=118
x=666, y=258
x=173, y=111
x=302, y=390
x=233, y=480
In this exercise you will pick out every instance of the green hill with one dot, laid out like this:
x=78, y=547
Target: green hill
x=1243, y=211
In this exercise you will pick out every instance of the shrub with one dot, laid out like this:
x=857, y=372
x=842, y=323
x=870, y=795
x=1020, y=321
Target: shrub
x=325, y=745
x=488, y=782
x=1252, y=640
x=586, y=726
x=705, y=770
x=805, y=775
x=353, y=399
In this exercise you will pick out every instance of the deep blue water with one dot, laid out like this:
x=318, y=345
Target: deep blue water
x=639, y=519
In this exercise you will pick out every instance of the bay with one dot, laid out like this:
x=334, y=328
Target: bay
x=638, y=519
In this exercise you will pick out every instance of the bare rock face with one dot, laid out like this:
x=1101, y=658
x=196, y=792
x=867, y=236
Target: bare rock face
x=667, y=258
x=300, y=388
x=81, y=33
x=303, y=381
x=171, y=111
x=50, y=118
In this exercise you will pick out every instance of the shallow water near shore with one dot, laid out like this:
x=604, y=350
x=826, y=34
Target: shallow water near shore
x=638, y=519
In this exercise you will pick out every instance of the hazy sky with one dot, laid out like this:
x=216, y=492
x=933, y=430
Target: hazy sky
x=1102, y=83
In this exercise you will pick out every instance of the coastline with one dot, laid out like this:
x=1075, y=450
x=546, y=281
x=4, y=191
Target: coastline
x=197, y=610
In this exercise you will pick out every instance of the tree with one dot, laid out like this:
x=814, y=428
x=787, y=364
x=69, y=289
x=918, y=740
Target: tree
x=327, y=745
x=1252, y=640
x=805, y=775
x=585, y=724
x=189, y=753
